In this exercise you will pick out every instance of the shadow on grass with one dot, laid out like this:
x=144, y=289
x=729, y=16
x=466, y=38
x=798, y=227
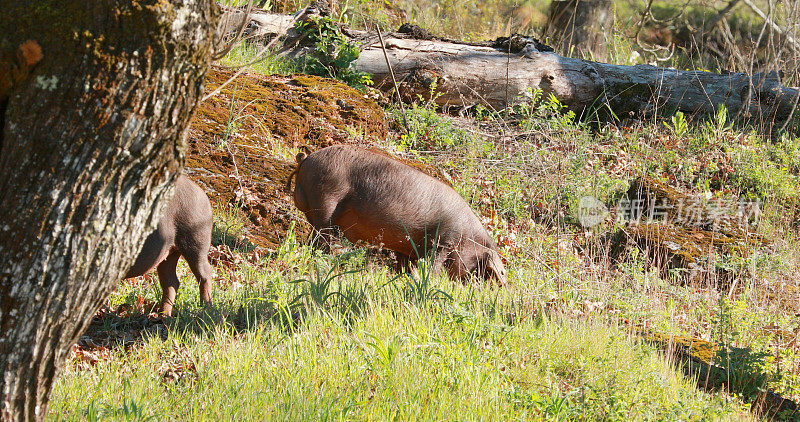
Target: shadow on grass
x=322, y=290
x=717, y=367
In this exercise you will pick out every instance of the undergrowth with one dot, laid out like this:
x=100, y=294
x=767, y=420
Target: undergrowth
x=333, y=53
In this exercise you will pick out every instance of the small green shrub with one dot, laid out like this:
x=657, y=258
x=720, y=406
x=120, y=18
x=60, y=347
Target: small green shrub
x=426, y=130
x=544, y=113
x=333, y=53
x=679, y=126
x=718, y=124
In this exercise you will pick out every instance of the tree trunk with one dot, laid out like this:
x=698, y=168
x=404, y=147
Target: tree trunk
x=580, y=28
x=500, y=73
x=90, y=145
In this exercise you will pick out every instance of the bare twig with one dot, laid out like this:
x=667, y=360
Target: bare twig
x=775, y=27
x=255, y=60
x=721, y=14
x=508, y=59
x=222, y=52
x=646, y=15
x=391, y=72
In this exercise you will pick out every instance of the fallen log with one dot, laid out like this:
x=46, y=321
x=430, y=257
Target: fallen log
x=501, y=73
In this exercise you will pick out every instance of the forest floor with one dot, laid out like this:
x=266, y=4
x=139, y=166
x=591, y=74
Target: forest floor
x=653, y=275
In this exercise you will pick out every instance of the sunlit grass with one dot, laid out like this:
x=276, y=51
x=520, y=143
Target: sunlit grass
x=274, y=349
x=256, y=60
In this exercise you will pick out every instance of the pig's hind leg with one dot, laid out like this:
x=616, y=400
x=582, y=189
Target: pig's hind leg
x=201, y=268
x=170, y=283
x=194, y=249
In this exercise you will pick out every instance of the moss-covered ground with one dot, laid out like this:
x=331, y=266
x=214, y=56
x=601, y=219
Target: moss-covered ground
x=242, y=142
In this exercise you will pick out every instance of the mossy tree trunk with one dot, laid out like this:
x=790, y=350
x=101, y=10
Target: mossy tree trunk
x=91, y=142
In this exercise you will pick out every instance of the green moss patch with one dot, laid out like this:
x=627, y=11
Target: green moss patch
x=681, y=230
x=242, y=141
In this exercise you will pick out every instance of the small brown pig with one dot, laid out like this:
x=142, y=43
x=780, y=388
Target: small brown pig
x=374, y=198
x=184, y=230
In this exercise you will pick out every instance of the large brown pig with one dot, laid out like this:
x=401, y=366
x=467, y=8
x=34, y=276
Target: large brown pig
x=184, y=230
x=374, y=198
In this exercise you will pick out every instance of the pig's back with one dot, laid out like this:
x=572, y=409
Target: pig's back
x=387, y=193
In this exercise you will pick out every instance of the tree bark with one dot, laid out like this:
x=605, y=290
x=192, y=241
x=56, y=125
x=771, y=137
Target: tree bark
x=497, y=75
x=580, y=27
x=91, y=142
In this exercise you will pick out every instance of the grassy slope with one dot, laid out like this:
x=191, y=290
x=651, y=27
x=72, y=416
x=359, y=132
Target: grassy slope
x=556, y=344
x=384, y=349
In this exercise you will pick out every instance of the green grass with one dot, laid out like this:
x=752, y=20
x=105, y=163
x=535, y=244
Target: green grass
x=303, y=335
x=274, y=349
x=266, y=63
